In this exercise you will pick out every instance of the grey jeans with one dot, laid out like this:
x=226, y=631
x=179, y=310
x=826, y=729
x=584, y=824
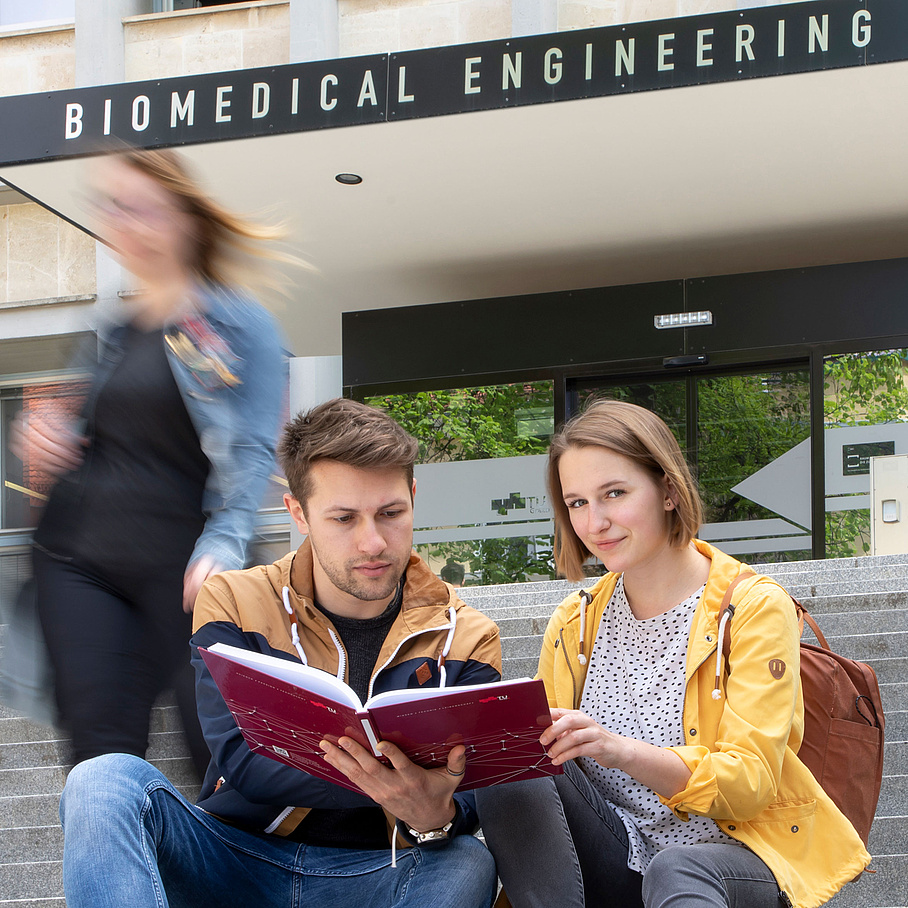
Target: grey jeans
x=557, y=841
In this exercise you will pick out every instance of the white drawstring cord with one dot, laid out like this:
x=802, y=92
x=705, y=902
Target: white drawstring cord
x=295, y=637
x=726, y=617
x=342, y=662
x=452, y=614
x=294, y=630
x=295, y=640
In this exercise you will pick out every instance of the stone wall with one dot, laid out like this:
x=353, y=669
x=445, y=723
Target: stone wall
x=596, y=13
x=379, y=26
x=43, y=256
x=211, y=39
x=37, y=59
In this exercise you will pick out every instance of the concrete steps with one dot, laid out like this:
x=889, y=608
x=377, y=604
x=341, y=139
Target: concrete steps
x=33, y=767
x=861, y=604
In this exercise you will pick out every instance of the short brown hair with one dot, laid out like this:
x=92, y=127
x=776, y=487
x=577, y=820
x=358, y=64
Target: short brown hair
x=642, y=436
x=347, y=432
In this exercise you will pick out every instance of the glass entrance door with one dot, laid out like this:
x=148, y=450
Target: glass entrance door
x=746, y=435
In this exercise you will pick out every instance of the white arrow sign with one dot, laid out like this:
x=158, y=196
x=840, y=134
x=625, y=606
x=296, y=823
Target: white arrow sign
x=783, y=486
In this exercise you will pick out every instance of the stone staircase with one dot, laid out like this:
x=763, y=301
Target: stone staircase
x=861, y=605
x=32, y=772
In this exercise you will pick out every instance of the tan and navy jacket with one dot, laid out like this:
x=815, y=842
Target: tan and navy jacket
x=741, y=747
x=247, y=609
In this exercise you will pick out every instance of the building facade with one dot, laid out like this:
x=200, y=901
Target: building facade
x=561, y=177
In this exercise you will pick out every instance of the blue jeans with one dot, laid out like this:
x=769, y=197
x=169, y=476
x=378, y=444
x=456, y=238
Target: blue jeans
x=557, y=841
x=132, y=841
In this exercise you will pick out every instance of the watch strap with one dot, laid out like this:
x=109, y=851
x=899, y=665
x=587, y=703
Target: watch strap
x=431, y=835
x=433, y=838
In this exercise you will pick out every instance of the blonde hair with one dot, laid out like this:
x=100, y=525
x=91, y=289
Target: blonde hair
x=642, y=436
x=225, y=243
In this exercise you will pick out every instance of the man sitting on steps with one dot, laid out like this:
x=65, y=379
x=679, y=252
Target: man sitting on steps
x=353, y=600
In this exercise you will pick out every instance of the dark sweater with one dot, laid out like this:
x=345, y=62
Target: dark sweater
x=358, y=827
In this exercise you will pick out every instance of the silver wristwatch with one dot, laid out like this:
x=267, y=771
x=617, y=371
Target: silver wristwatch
x=432, y=835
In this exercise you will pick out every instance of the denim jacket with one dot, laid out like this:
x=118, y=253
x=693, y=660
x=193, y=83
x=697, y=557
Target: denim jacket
x=237, y=423
x=237, y=426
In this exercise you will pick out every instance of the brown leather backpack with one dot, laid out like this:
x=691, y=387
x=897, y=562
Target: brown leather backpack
x=843, y=721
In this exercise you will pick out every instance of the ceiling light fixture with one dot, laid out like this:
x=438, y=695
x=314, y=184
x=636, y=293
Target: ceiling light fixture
x=349, y=179
x=683, y=319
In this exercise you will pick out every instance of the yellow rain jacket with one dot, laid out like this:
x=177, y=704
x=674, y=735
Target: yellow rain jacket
x=741, y=748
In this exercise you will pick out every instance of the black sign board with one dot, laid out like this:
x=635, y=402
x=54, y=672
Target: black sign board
x=641, y=56
x=856, y=458
x=190, y=109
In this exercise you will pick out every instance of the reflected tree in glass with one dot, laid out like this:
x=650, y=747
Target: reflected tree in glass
x=476, y=424
x=861, y=389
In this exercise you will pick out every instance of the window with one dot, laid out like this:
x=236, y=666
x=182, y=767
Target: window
x=24, y=486
x=168, y=6
x=735, y=429
x=481, y=514
x=865, y=415
x=21, y=13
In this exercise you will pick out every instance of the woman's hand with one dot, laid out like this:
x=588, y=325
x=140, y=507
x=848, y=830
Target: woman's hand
x=573, y=734
x=52, y=449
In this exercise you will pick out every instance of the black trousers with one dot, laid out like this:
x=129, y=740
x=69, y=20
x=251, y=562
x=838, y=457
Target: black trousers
x=116, y=643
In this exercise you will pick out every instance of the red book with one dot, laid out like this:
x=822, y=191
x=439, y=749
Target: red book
x=284, y=709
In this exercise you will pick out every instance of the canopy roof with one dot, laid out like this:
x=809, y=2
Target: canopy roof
x=731, y=176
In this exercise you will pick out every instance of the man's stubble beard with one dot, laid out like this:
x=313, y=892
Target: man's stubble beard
x=347, y=582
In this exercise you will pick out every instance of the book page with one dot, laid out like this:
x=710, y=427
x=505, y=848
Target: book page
x=314, y=680
x=285, y=710
x=410, y=694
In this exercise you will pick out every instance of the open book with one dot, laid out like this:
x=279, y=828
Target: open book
x=284, y=709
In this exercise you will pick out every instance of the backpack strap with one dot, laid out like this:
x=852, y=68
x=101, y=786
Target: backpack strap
x=801, y=610
x=804, y=615
x=726, y=610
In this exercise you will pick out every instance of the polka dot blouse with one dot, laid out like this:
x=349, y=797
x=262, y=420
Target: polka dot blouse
x=635, y=687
